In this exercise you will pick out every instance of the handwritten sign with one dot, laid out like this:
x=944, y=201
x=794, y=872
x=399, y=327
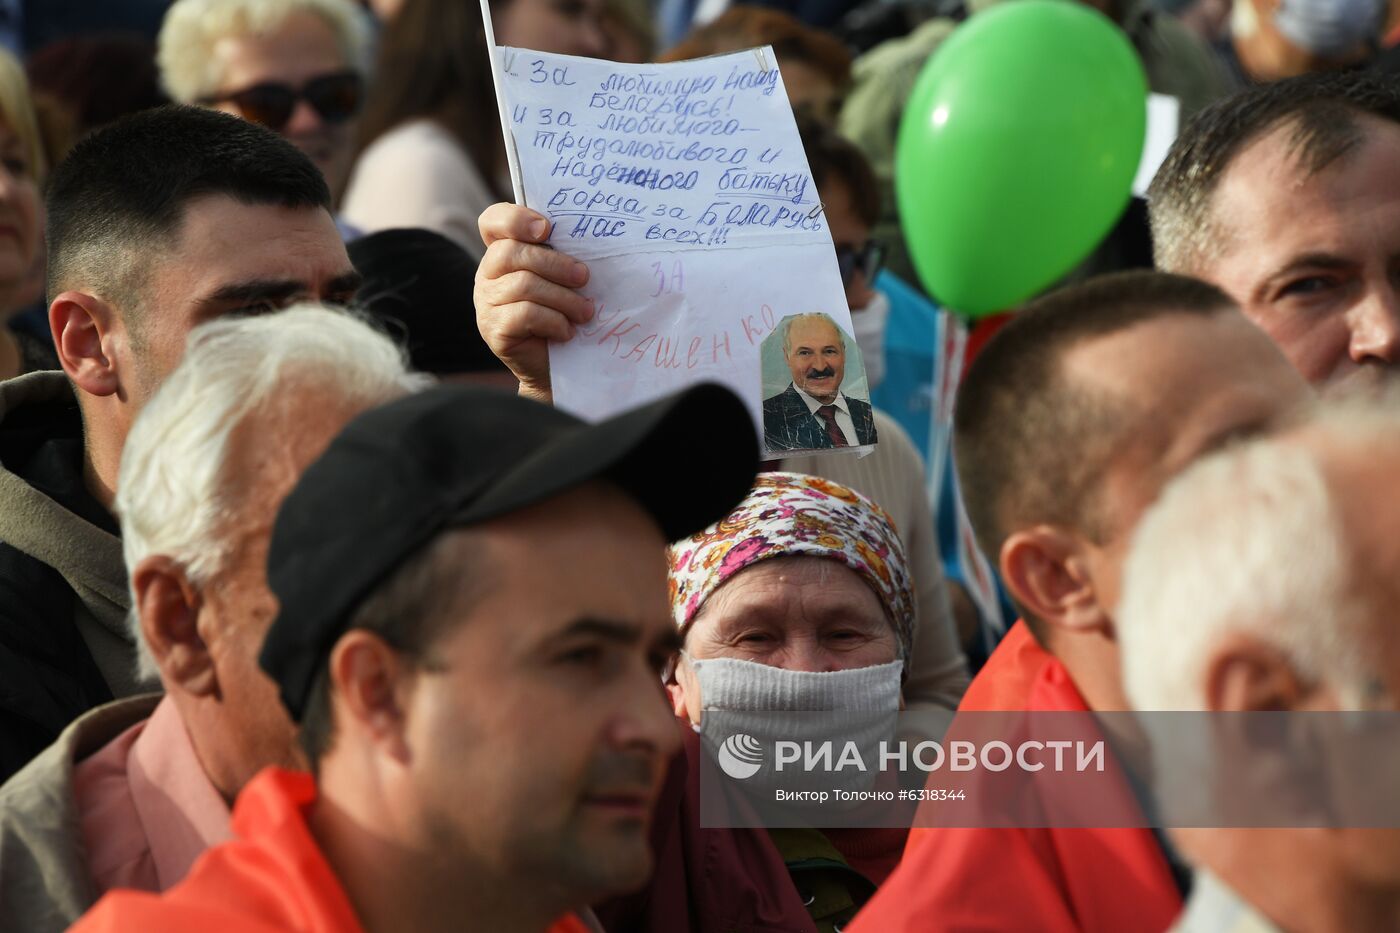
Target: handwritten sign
x=686, y=190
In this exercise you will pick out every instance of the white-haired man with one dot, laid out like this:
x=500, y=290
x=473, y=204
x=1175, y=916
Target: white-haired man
x=1265, y=580
x=132, y=793
x=296, y=66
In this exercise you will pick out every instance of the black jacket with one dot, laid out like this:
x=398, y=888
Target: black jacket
x=788, y=424
x=62, y=582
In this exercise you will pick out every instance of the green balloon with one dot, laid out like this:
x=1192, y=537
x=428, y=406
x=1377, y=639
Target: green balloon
x=1017, y=151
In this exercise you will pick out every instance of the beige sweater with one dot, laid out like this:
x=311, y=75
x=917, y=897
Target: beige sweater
x=894, y=477
x=417, y=175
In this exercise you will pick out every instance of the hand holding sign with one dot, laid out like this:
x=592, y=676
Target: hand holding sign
x=683, y=187
x=525, y=294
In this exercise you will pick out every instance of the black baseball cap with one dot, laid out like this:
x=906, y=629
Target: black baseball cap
x=458, y=455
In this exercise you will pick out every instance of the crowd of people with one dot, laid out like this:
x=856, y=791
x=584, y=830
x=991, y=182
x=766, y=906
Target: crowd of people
x=316, y=614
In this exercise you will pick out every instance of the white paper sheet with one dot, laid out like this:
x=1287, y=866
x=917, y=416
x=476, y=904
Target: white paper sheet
x=686, y=190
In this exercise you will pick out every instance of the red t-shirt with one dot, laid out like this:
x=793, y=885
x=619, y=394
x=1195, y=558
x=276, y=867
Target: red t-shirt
x=1113, y=880
x=272, y=878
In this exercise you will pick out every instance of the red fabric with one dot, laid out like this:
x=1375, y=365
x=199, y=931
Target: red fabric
x=833, y=430
x=1012, y=674
x=981, y=332
x=1047, y=880
x=271, y=879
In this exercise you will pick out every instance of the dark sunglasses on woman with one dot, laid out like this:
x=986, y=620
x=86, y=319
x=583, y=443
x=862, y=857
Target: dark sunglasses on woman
x=336, y=97
x=869, y=259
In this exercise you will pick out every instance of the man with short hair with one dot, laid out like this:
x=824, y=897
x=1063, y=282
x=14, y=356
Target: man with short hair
x=1302, y=528
x=297, y=67
x=488, y=740
x=812, y=412
x=1067, y=425
x=156, y=223
x=1287, y=196
x=137, y=795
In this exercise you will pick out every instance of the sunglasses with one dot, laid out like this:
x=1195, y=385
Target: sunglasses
x=335, y=97
x=869, y=259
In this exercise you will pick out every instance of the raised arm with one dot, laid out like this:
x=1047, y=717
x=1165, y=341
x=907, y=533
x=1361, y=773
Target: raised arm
x=526, y=294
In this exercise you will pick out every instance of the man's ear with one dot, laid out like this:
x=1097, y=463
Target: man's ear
x=84, y=330
x=168, y=605
x=1246, y=675
x=1047, y=571
x=366, y=681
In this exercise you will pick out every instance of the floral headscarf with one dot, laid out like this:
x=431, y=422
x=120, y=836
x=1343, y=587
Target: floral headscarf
x=787, y=514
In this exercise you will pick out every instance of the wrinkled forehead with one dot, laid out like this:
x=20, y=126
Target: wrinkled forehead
x=221, y=239
x=771, y=590
x=814, y=332
x=1279, y=197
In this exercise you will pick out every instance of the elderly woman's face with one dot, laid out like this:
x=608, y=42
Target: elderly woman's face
x=797, y=613
x=19, y=212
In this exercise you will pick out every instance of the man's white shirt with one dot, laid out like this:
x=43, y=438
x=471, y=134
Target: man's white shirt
x=843, y=414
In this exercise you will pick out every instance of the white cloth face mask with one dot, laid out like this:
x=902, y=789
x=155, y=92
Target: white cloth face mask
x=762, y=706
x=747, y=686
x=869, y=324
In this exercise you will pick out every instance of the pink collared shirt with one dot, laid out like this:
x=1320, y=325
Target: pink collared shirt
x=147, y=808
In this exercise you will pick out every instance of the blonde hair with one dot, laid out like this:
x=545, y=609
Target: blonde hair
x=189, y=70
x=17, y=110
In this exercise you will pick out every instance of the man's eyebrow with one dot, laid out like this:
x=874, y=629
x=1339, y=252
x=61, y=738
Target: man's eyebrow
x=255, y=292
x=276, y=292
x=1224, y=435
x=345, y=285
x=608, y=629
x=1264, y=418
x=1305, y=262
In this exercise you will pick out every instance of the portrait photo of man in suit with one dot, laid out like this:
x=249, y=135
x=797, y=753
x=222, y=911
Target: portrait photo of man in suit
x=813, y=413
